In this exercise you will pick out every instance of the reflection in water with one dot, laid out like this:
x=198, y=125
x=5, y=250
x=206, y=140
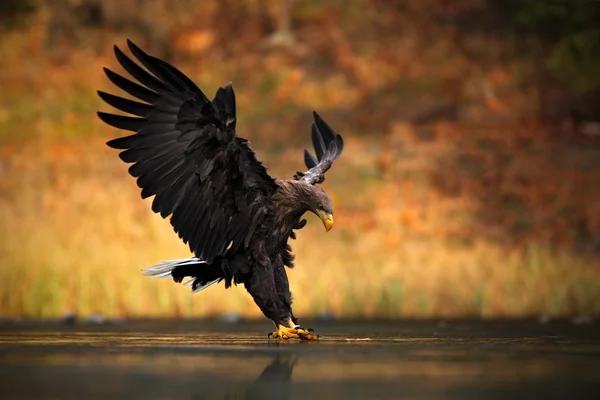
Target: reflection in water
x=275, y=380
x=273, y=383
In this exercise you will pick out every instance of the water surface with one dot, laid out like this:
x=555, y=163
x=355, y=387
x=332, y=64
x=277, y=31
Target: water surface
x=212, y=360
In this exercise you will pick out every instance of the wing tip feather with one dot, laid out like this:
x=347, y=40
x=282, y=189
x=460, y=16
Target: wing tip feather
x=328, y=145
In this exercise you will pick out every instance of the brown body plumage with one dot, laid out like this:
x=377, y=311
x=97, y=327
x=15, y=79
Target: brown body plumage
x=236, y=219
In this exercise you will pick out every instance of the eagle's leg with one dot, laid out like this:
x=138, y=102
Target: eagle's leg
x=290, y=328
x=262, y=287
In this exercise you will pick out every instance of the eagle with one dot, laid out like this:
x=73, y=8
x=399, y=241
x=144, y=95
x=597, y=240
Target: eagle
x=235, y=218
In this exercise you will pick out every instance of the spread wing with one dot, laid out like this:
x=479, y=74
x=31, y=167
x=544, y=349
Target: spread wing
x=186, y=153
x=328, y=148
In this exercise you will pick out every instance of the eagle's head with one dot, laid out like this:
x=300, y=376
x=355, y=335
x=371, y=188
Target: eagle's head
x=298, y=197
x=319, y=203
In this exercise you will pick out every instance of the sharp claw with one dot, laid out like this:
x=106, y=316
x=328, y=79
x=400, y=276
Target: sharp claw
x=285, y=333
x=308, y=338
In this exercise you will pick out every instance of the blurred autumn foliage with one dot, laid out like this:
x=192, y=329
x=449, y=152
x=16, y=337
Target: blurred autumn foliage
x=471, y=172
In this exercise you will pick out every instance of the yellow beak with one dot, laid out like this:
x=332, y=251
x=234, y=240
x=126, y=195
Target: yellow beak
x=327, y=219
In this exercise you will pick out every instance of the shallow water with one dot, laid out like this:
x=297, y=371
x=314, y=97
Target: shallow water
x=211, y=360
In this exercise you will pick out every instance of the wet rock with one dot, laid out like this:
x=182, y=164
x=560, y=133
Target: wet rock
x=68, y=318
x=582, y=320
x=96, y=319
x=544, y=319
x=325, y=317
x=231, y=318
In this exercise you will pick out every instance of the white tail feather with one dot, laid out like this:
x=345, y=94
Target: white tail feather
x=164, y=269
x=207, y=284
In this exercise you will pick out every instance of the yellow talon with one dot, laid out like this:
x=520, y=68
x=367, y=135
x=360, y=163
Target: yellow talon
x=286, y=333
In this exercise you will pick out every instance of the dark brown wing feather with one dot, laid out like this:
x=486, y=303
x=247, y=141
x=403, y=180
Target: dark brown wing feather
x=185, y=152
x=328, y=148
